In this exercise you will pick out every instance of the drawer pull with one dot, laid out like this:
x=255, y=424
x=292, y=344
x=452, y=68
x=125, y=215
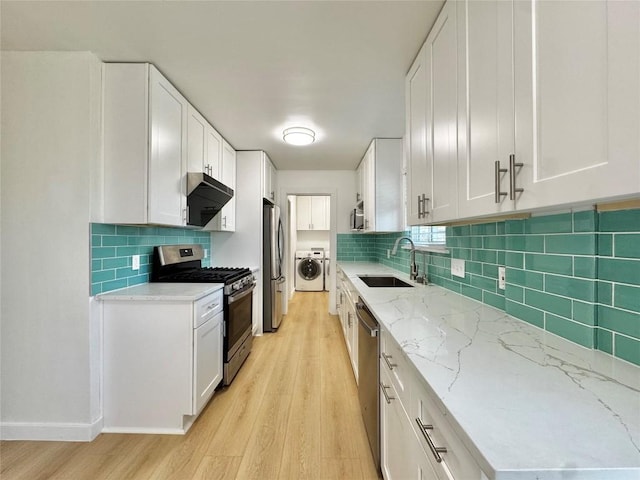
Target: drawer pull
x=435, y=450
x=386, y=359
x=211, y=307
x=384, y=391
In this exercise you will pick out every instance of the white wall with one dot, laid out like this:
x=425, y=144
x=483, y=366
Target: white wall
x=50, y=160
x=341, y=186
x=310, y=239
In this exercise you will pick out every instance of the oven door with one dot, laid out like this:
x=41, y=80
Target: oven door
x=238, y=318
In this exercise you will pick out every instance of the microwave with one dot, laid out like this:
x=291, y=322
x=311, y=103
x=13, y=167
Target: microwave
x=357, y=219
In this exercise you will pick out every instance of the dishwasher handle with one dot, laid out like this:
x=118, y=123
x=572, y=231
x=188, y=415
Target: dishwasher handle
x=371, y=329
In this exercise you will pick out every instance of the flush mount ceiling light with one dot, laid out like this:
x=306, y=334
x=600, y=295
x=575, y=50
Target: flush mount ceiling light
x=298, y=136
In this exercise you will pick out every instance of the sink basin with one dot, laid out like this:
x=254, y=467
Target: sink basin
x=383, y=281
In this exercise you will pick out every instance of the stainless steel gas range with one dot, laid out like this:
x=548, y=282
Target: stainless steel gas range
x=183, y=264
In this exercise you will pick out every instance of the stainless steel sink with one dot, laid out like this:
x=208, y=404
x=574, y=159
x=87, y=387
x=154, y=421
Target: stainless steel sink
x=383, y=281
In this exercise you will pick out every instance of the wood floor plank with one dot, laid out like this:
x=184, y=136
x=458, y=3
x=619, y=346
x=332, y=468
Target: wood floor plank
x=291, y=413
x=219, y=468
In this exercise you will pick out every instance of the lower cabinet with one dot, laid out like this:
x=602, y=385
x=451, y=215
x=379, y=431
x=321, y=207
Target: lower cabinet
x=347, y=311
x=352, y=335
x=162, y=362
x=417, y=442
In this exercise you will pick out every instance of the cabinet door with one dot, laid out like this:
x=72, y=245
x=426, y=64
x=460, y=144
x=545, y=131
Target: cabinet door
x=360, y=183
x=228, y=212
x=369, y=188
x=352, y=336
x=213, y=154
x=577, y=100
x=396, y=453
x=319, y=213
x=416, y=138
x=303, y=212
x=274, y=183
x=268, y=176
x=442, y=141
x=485, y=96
x=168, y=156
x=207, y=360
x=196, y=141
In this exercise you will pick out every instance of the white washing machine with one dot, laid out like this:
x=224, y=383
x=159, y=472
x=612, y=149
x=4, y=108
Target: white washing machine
x=326, y=271
x=310, y=270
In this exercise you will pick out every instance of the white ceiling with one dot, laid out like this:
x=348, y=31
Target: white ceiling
x=253, y=68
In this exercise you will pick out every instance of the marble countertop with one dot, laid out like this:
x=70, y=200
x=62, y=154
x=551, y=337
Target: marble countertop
x=526, y=403
x=182, y=292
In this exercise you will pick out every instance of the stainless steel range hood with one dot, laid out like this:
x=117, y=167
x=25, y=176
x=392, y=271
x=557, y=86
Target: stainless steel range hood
x=205, y=198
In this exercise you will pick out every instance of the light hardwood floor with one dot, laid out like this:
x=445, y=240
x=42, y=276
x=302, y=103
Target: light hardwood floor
x=291, y=413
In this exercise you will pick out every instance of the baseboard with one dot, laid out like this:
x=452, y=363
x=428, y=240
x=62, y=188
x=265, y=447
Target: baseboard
x=61, y=432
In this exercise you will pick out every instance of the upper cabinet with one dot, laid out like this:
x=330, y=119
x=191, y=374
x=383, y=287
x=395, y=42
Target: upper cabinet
x=486, y=128
x=312, y=212
x=577, y=101
x=225, y=220
x=204, y=146
x=381, y=169
x=145, y=147
x=547, y=108
x=269, y=179
x=432, y=144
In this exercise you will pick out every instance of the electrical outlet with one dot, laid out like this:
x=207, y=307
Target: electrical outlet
x=388, y=253
x=457, y=267
x=135, y=262
x=502, y=278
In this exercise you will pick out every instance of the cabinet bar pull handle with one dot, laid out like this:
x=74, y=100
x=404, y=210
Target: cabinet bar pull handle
x=425, y=199
x=435, y=450
x=386, y=359
x=497, y=172
x=419, y=207
x=512, y=173
x=384, y=387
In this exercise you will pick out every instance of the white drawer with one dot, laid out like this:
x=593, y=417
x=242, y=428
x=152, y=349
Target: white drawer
x=394, y=361
x=457, y=462
x=207, y=307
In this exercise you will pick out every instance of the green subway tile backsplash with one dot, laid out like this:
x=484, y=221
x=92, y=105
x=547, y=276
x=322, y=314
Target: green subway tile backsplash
x=627, y=349
x=113, y=246
x=576, y=274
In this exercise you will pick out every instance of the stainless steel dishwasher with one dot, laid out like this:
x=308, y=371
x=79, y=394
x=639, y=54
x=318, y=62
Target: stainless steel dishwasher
x=369, y=376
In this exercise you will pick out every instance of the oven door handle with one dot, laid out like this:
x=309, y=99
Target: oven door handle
x=235, y=297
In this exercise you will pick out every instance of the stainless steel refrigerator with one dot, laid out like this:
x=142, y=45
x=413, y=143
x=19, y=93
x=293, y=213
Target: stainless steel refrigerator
x=272, y=270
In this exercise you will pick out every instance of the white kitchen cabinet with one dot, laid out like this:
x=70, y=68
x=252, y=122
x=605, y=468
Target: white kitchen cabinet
x=204, y=146
x=405, y=401
x=564, y=73
x=312, y=212
x=382, y=185
x=145, y=147
x=225, y=220
x=486, y=129
x=352, y=334
x=416, y=182
x=431, y=125
x=360, y=183
x=398, y=453
x=269, y=179
x=346, y=293
x=577, y=101
x=162, y=359
x=213, y=156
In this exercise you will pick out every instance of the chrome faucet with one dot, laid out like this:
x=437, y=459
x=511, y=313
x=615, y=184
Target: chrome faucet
x=413, y=274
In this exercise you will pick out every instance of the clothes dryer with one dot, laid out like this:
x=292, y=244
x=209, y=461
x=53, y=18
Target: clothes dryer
x=310, y=270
